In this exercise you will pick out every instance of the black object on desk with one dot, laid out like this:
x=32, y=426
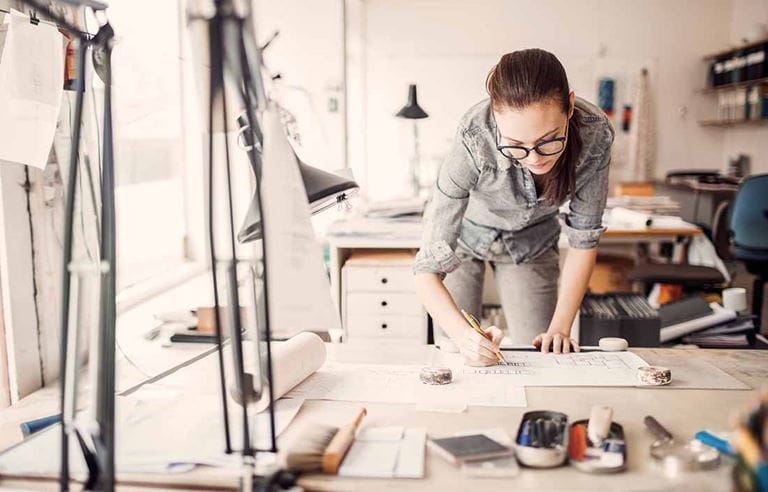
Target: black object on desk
x=624, y=315
x=193, y=338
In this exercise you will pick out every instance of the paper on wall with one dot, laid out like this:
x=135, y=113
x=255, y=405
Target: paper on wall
x=31, y=86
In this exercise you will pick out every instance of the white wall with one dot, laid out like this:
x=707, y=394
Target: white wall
x=448, y=46
x=750, y=140
x=309, y=55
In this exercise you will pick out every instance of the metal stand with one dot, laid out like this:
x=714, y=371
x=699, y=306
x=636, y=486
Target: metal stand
x=96, y=444
x=235, y=58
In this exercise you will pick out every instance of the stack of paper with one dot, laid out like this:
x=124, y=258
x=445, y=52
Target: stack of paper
x=386, y=452
x=735, y=333
x=411, y=207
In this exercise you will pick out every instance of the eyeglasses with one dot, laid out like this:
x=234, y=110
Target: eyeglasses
x=518, y=152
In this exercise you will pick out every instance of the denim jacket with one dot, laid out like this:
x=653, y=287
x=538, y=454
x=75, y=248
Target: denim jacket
x=481, y=197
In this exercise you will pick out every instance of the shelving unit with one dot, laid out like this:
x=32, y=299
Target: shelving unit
x=729, y=123
x=734, y=48
x=736, y=85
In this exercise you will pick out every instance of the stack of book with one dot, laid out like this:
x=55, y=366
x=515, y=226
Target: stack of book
x=708, y=325
x=737, y=333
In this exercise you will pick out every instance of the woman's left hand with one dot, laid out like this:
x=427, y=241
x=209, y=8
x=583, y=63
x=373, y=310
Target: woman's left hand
x=560, y=343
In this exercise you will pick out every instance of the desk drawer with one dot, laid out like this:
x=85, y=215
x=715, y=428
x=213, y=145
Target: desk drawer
x=388, y=303
x=378, y=279
x=386, y=327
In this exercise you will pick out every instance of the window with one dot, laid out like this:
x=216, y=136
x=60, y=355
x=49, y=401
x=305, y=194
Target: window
x=149, y=139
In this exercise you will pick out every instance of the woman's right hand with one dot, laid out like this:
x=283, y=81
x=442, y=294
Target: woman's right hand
x=477, y=349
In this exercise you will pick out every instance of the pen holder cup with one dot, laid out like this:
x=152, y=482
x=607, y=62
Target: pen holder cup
x=612, y=454
x=542, y=439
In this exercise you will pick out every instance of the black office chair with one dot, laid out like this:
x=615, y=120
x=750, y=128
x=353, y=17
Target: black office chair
x=749, y=233
x=691, y=277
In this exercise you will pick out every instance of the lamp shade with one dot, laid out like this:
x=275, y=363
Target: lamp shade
x=324, y=190
x=412, y=110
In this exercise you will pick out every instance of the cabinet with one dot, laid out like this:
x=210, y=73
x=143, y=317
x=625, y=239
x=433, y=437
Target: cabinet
x=378, y=298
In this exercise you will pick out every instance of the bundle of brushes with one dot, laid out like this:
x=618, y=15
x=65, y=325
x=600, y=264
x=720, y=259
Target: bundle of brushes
x=751, y=471
x=319, y=447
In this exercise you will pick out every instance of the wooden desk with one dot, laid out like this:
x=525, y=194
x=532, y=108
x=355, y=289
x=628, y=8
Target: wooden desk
x=683, y=411
x=406, y=236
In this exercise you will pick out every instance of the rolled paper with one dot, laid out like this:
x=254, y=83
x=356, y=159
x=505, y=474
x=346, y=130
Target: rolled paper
x=293, y=361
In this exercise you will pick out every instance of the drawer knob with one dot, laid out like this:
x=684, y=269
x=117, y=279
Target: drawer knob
x=384, y=280
x=384, y=303
x=383, y=326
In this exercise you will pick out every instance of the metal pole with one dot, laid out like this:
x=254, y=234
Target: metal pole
x=105, y=389
x=67, y=259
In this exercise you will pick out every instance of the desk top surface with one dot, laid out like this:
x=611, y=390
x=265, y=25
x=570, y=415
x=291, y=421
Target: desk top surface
x=683, y=411
x=369, y=233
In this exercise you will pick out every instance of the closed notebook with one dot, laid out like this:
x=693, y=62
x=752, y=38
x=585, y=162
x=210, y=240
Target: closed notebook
x=468, y=448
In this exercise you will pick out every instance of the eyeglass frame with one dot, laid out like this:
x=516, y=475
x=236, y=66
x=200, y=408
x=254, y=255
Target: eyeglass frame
x=527, y=150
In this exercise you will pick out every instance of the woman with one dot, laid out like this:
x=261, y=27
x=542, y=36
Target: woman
x=516, y=158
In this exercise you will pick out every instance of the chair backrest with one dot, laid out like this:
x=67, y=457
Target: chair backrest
x=721, y=230
x=749, y=219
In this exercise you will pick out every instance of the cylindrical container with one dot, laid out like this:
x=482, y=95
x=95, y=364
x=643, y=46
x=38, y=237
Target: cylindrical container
x=735, y=299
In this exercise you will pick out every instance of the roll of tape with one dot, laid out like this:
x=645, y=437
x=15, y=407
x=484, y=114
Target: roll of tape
x=612, y=344
x=435, y=375
x=654, y=376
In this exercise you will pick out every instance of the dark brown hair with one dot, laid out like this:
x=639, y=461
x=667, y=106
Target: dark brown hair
x=525, y=77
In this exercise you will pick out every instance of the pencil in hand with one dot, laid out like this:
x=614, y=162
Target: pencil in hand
x=472, y=321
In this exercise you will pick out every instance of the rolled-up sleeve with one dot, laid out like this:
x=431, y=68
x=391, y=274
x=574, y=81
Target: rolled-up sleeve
x=442, y=218
x=584, y=221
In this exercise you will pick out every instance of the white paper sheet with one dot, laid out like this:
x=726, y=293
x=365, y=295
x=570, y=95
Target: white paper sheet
x=694, y=373
x=155, y=434
x=299, y=291
x=402, y=457
x=31, y=85
x=401, y=384
x=576, y=369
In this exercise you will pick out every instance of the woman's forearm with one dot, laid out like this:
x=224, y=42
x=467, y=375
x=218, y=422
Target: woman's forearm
x=439, y=304
x=574, y=280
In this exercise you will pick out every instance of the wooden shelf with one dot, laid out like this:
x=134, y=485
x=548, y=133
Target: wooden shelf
x=726, y=123
x=738, y=47
x=735, y=85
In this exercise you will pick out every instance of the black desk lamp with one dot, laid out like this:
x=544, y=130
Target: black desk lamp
x=412, y=111
x=324, y=189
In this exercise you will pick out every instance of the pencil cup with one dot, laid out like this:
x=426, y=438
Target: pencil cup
x=735, y=299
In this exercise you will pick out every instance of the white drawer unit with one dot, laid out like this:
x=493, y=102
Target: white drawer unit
x=378, y=298
x=385, y=327
x=379, y=278
x=383, y=303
